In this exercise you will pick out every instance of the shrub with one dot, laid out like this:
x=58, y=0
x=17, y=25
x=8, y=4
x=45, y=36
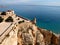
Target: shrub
x=3, y=13
x=21, y=21
x=1, y=19
x=9, y=19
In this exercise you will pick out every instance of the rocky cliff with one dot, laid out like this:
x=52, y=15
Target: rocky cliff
x=30, y=34
x=21, y=31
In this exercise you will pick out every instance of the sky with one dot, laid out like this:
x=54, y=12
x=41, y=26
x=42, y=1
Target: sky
x=32, y=2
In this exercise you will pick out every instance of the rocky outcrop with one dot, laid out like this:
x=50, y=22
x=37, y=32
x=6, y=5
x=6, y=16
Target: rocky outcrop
x=29, y=34
x=25, y=32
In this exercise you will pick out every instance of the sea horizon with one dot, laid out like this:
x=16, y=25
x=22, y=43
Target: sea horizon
x=47, y=16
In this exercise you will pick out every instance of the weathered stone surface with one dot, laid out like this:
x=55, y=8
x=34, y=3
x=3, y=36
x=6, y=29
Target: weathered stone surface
x=30, y=34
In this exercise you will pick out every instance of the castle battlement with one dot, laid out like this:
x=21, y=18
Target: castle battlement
x=9, y=12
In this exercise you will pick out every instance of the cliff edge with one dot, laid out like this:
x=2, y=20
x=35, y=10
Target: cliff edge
x=16, y=30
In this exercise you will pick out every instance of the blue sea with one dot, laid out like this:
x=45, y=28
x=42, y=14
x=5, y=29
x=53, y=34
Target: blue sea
x=48, y=17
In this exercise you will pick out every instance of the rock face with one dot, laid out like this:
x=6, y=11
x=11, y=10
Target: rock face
x=29, y=35
x=25, y=32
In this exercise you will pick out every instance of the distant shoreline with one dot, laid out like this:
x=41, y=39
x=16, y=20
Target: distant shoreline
x=1, y=6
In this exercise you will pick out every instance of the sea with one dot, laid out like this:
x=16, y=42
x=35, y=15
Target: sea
x=48, y=17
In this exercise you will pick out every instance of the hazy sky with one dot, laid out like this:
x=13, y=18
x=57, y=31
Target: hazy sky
x=31, y=2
